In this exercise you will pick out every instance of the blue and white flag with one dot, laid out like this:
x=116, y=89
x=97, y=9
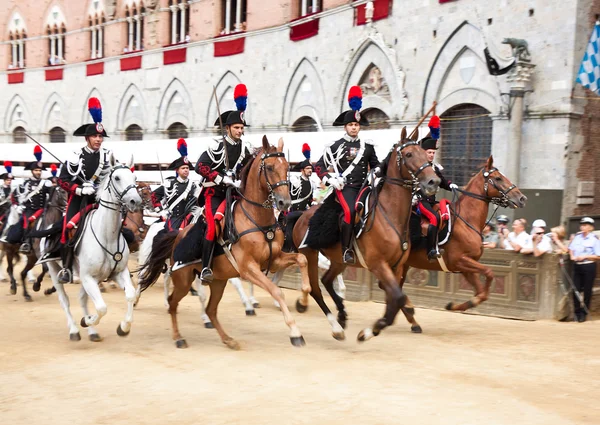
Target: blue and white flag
x=589, y=71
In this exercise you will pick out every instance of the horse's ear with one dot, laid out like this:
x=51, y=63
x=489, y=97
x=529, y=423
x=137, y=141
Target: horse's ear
x=111, y=159
x=414, y=136
x=280, y=145
x=130, y=162
x=490, y=163
x=403, y=134
x=265, y=143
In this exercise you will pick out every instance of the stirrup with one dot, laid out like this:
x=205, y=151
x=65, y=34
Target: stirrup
x=65, y=276
x=25, y=248
x=206, y=275
x=348, y=256
x=433, y=255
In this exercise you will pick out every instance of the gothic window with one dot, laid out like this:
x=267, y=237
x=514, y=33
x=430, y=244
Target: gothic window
x=134, y=13
x=466, y=141
x=177, y=130
x=180, y=21
x=19, y=135
x=234, y=16
x=17, y=34
x=304, y=123
x=134, y=132
x=377, y=118
x=58, y=135
x=56, y=30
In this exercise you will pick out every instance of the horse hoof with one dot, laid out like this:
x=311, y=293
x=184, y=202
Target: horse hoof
x=233, y=344
x=300, y=308
x=50, y=291
x=102, y=289
x=250, y=313
x=416, y=329
x=95, y=338
x=181, y=343
x=75, y=337
x=256, y=304
x=449, y=306
x=82, y=323
x=13, y=290
x=121, y=332
x=365, y=335
x=339, y=336
x=209, y=325
x=28, y=298
x=37, y=286
x=297, y=341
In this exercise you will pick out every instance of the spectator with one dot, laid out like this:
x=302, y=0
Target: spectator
x=558, y=237
x=490, y=236
x=541, y=242
x=584, y=251
x=502, y=223
x=518, y=240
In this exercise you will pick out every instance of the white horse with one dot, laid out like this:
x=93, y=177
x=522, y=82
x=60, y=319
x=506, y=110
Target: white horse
x=102, y=251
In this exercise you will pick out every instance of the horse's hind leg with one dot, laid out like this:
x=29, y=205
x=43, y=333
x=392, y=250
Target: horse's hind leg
x=330, y=275
x=217, y=288
x=3, y=277
x=471, y=269
x=24, y=273
x=64, y=303
x=249, y=304
x=202, y=297
x=83, y=302
x=409, y=309
x=38, y=282
x=124, y=281
x=10, y=259
x=182, y=281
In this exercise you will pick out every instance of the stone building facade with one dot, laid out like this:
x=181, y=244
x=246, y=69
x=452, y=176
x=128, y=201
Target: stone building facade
x=154, y=63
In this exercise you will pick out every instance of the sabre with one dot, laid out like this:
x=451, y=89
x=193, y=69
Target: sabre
x=222, y=130
x=62, y=163
x=160, y=169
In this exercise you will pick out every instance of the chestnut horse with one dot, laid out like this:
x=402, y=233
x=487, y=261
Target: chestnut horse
x=385, y=241
x=134, y=221
x=264, y=186
x=463, y=250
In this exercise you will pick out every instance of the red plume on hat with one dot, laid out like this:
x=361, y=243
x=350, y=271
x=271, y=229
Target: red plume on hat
x=8, y=166
x=182, y=147
x=95, y=109
x=355, y=98
x=306, y=151
x=53, y=170
x=37, y=152
x=434, y=127
x=240, y=95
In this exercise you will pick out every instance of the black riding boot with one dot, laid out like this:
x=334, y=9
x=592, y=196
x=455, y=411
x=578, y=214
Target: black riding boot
x=25, y=247
x=347, y=250
x=208, y=248
x=65, y=275
x=432, y=247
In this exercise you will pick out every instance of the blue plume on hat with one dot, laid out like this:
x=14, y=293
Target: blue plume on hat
x=355, y=98
x=95, y=109
x=37, y=152
x=240, y=95
x=434, y=127
x=182, y=147
x=8, y=166
x=306, y=151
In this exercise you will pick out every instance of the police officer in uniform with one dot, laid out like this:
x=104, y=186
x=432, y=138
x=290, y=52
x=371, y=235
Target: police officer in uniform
x=301, y=189
x=79, y=177
x=345, y=164
x=584, y=251
x=220, y=170
x=175, y=199
x=426, y=203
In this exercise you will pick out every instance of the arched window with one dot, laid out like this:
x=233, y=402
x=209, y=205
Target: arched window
x=177, y=130
x=134, y=132
x=56, y=31
x=466, y=141
x=304, y=123
x=180, y=21
x=19, y=135
x=17, y=35
x=134, y=11
x=234, y=16
x=58, y=135
x=310, y=6
x=96, y=27
x=377, y=118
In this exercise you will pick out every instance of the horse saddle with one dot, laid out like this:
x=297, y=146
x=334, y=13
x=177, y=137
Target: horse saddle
x=419, y=223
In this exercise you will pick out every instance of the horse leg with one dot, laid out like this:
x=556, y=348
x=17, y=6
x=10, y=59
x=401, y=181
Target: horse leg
x=409, y=309
x=202, y=297
x=394, y=297
x=38, y=282
x=335, y=270
x=10, y=258
x=312, y=257
x=24, y=273
x=276, y=279
x=248, y=305
x=470, y=269
x=166, y=287
x=2, y=275
x=253, y=301
x=83, y=302
x=255, y=275
x=217, y=287
x=64, y=302
x=123, y=279
x=90, y=285
x=182, y=281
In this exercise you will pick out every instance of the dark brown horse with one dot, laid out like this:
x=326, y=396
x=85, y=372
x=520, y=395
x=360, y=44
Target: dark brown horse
x=258, y=248
x=385, y=242
x=53, y=212
x=135, y=220
x=463, y=250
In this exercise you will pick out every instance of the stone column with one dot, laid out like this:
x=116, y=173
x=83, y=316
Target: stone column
x=182, y=23
x=100, y=41
x=227, y=16
x=314, y=6
x=238, y=15
x=173, y=8
x=21, y=53
x=14, y=54
x=52, y=46
x=138, y=32
x=59, y=41
x=130, y=40
x=304, y=7
x=519, y=77
x=94, y=43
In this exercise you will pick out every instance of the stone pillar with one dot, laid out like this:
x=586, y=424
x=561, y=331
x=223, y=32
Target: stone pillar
x=182, y=23
x=94, y=43
x=59, y=41
x=304, y=7
x=238, y=15
x=100, y=41
x=138, y=32
x=52, y=46
x=130, y=39
x=173, y=23
x=14, y=54
x=519, y=77
x=21, y=53
x=314, y=6
x=227, y=16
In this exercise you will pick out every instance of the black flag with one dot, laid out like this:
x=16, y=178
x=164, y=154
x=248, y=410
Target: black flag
x=493, y=66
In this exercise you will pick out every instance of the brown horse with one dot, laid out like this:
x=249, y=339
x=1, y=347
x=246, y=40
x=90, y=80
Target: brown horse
x=258, y=248
x=53, y=212
x=462, y=252
x=135, y=220
x=385, y=242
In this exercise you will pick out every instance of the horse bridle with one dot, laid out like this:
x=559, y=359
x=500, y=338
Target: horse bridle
x=269, y=203
x=501, y=201
x=413, y=182
x=111, y=185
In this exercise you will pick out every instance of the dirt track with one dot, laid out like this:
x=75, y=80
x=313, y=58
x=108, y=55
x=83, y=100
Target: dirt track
x=464, y=369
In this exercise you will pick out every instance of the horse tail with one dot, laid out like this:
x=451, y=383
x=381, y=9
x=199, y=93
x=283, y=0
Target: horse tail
x=162, y=247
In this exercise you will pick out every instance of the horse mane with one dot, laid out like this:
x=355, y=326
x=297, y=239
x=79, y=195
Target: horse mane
x=246, y=170
x=103, y=181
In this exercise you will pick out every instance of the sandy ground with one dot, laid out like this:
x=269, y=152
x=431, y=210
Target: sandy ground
x=464, y=369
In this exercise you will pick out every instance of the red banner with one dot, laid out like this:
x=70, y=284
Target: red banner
x=54, y=74
x=16, y=77
x=131, y=63
x=229, y=48
x=304, y=30
x=174, y=56
x=381, y=10
x=94, y=69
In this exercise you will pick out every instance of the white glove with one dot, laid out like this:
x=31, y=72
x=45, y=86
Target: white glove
x=88, y=190
x=164, y=214
x=20, y=209
x=230, y=182
x=453, y=186
x=337, y=182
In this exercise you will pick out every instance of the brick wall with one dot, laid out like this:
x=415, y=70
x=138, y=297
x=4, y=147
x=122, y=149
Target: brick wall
x=589, y=164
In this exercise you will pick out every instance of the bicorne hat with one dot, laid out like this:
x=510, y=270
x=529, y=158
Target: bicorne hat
x=240, y=95
x=183, y=159
x=352, y=115
x=37, y=164
x=96, y=128
x=306, y=163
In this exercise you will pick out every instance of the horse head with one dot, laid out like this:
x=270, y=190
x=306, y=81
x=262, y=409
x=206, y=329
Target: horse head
x=120, y=184
x=498, y=187
x=413, y=164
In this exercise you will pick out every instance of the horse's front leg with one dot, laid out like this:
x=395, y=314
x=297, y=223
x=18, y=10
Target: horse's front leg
x=90, y=285
x=123, y=278
x=10, y=270
x=471, y=269
x=334, y=271
x=83, y=302
x=248, y=304
x=253, y=273
x=202, y=297
x=24, y=274
x=394, y=297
